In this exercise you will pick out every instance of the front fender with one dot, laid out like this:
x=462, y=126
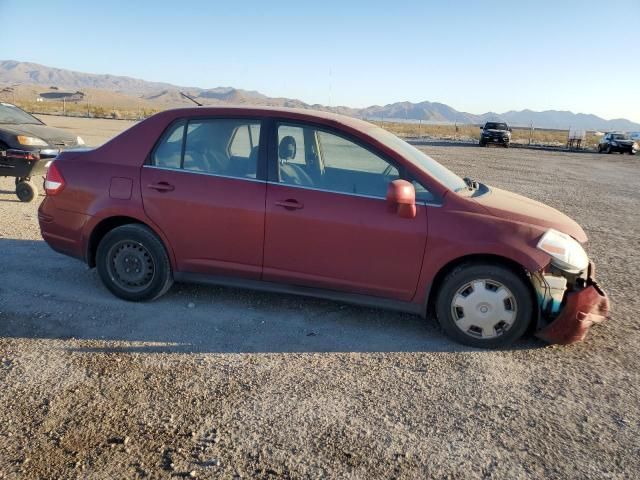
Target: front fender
x=454, y=235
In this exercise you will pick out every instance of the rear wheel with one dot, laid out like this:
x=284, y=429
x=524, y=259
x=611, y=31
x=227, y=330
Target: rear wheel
x=133, y=263
x=26, y=190
x=483, y=305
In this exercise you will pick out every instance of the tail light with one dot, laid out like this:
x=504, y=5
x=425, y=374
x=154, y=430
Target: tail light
x=54, y=183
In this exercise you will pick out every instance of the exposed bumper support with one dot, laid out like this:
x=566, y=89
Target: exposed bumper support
x=582, y=309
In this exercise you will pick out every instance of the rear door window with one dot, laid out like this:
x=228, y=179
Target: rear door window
x=244, y=140
x=168, y=152
x=225, y=147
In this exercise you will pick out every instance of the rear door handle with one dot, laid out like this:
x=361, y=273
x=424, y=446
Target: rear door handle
x=161, y=187
x=290, y=204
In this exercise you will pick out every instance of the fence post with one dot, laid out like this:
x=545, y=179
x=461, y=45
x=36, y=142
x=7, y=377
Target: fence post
x=64, y=106
x=530, y=132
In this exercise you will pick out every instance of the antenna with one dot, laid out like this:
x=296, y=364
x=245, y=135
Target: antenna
x=191, y=98
x=329, y=87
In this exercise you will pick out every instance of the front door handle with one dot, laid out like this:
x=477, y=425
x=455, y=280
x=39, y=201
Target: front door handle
x=161, y=187
x=290, y=204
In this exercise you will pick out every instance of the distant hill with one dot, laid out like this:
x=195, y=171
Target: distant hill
x=28, y=78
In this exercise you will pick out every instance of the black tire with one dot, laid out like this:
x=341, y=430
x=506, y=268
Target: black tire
x=609, y=149
x=506, y=145
x=133, y=263
x=26, y=191
x=518, y=304
x=599, y=149
x=482, y=144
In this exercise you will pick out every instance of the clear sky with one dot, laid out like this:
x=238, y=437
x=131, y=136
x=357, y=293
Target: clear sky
x=475, y=56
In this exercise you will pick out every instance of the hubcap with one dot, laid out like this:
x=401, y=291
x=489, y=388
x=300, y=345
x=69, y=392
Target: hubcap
x=131, y=266
x=484, y=308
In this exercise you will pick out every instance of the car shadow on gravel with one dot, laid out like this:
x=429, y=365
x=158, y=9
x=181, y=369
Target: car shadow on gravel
x=48, y=296
x=9, y=192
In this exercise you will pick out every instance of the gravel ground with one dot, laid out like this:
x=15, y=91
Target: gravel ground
x=216, y=383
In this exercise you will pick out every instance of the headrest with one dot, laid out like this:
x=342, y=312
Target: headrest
x=287, y=148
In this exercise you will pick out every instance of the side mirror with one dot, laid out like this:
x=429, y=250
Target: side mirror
x=401, y=198
x=481, y=127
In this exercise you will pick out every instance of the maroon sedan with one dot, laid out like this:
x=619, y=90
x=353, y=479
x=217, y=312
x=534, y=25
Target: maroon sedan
x=312, y=203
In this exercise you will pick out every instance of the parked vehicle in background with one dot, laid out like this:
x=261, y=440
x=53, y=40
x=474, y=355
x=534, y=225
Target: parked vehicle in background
x=318, y=204
x=617, y=142
x=496, y=133
x=26, y=144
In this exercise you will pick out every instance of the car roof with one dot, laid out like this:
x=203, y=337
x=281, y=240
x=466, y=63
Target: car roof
x=301, y=114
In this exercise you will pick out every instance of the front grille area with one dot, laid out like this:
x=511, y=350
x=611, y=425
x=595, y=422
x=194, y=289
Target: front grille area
x=62, y=143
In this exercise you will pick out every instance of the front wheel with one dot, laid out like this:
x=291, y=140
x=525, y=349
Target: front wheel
x=484, y=305
x=26, y=190
x=133, y=263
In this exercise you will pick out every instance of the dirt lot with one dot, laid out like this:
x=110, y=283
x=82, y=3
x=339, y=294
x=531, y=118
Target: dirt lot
x=217, y=383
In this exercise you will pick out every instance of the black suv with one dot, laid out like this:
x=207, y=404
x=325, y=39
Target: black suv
x=495, y=132
x=617, y=142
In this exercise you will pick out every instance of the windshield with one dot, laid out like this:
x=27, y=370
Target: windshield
x=495, y=126
x=420, y=159
x=621, y=136
x=12, y=114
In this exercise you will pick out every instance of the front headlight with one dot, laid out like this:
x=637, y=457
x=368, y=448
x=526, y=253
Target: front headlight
x=31, y=141
x=566, y=253
x=79, y=140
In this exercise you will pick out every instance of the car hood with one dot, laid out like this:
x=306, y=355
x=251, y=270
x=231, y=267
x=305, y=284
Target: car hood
x=53, y=136
x=623, y=142
x=511, y=206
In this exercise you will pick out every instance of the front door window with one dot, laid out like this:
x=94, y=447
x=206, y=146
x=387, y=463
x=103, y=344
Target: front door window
x=319, y=159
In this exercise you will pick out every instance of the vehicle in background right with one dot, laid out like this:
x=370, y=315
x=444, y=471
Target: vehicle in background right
x=498, y=133
x=617, y=142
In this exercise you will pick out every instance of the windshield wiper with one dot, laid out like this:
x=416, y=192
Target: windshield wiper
x=471, y=183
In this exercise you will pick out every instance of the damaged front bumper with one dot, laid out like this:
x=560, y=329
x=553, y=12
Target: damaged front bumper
x=583, y=305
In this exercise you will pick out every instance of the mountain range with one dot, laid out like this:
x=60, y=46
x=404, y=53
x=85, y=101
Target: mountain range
x=27, y=79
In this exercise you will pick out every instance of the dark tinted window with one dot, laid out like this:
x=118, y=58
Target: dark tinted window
x=11, y=114
x=496, y=126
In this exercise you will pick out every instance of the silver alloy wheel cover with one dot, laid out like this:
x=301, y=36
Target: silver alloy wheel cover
x=484, y=308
